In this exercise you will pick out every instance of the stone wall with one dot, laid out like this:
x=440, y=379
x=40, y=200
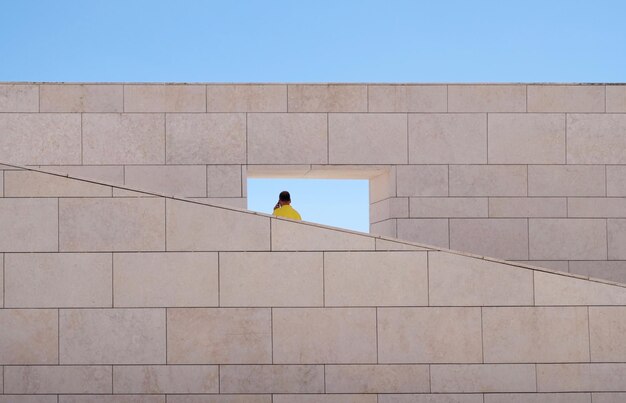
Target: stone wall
x=523, y=172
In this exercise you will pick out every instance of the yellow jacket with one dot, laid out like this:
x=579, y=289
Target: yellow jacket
x=288, y=212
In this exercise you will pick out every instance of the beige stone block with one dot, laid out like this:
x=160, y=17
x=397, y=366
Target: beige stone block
x=385, y=244
x=111, y=399
x=504, y=238
x=194, y=227
x=616, y=180
x=511, y=207
x=407, y=98
x=121, y=224
x=294, y=138
x=82, y=98
x=36, y=184
x=33, y=223
x=327, y=98
x=608, y=270
x=444, y=207
x=429, y=231
x=114, y=138
x=607, y=326
x=554, y=289
x=40, y=138
x=482, y=378
x=383, y=186
x=431, y=398
x=181, y=180
x=389, y=208
x=616, y=232
x=112, y=336
x=384, y=228
x=558, y=265
x=166, y=379
x=567, y=239
x=57, y=379
x=2, y=283
x=566, y=180
x=526, y=138
x=539, y=398
x=581, y=377
x=246, y=98
x=219, y=336
x=609, y=397
x=324, y=335
x=169, y=279
x=108, y=174
x=214, y=138
x=219, y=398
x=448, y=139
x=122, y=192
x=295, y=236
x=377, y=379
x=224, y=181
x=566, y=98
x=240, y=203
x=535, y=334
x=429, y=335
x=381, y=138
x=338, y=398
x=616, y=98
x=596, y=138
x=28, y=336
x=375, y=278
x=596, y=207
x=486, y=98
x=164, y=98
x=1, y=183
x=52, y=280
x=422, y=180
x=19, y=98
x=456, y=280
x=271, y=279
x=488, y=180
x=28, y=399
x=271, y=379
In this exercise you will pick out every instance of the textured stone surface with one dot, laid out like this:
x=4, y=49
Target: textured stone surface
x=616, y=180
x=271, y=279
x=213, y=138
x=407, y=98
x=51, y=280
x=123, y=224
x=40, y=138
x=194, y=227
x=219, y=336
x=581, y=377
x=566, y=180
x=552, y=289
x=28, y=399
x=608, y=270
x=57, y=379
x=165, y=279
x=81, y=98
x=382, y=138
x=385, y=244
x=109, y=174
x=526, y=138
x=445, y=334
x=447, y=139
x=375, y=278
x=616, y=232
x=291, y=236
x=165, y=379
x=596, y=139
x=36, y=184
x=324, y=335
x=338, y=398
x=272, y=379
x=111, y=399
x=606, y=329
x=395, y=207
x=29, y=336
x=422, y=180
x=164, y=98
x=488, y=180
x=19, y=98
x=113, y=138
x=482, y=378
x=487, y=98
x=443, y=207
x=224, y=181
x=246, y=98
x=182, y=180
x=616, y=98
x=566, y=98
x=112, y=336
x=219, y=398
x=430, y=231
x=535, y=334
x=454, y=280
x=377, y=379
x=596, y=207
x=539, y=398
x=573, y=239
x=33, y=223
x=505, y=238
x=431, y=398
x=327, y=98
x=510, y=207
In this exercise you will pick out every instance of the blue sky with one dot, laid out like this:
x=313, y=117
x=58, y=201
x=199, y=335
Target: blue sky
x=313, y=41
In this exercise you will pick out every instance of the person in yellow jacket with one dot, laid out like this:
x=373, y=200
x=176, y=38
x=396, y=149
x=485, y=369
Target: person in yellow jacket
x=283, y=207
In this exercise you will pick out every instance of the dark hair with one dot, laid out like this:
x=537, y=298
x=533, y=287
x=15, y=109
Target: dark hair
x=284, y=196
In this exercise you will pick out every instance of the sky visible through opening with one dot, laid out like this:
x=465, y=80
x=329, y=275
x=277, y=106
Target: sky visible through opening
x=337, y=202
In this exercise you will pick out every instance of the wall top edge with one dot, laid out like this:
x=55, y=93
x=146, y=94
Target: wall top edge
x=299, y=83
